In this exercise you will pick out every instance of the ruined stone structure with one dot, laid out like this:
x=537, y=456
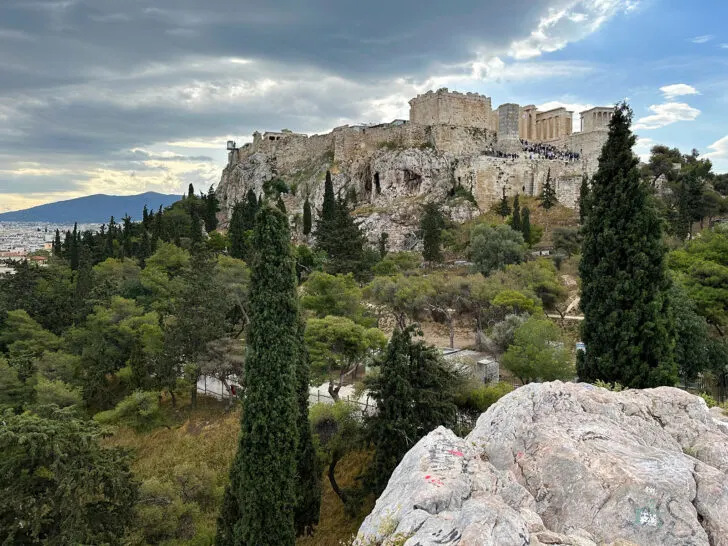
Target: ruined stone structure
x=451, y=139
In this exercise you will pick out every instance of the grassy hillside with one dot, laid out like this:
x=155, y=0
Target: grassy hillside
x=183, y=468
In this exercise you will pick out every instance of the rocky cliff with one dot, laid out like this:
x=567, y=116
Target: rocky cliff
x=565, y=464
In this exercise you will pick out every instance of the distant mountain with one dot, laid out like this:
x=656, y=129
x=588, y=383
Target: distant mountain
x=92, y=209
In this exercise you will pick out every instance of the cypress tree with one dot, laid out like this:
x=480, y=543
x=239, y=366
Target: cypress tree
x=73, y=248
x=548, y=193
x=190, y=190
x=628, y=329
x=504, y=209
x=281, y=205
x=250, y=209
x=583, y=199
x=526, y=225
x=516, y=218
x=212, y=207
x=306, y=216
x=57, y=245
x=431, y=225
x=126, y=237
x=236, y=232
x=262, y=489
x=145, y=216
x=308, y=475
x=345, y=244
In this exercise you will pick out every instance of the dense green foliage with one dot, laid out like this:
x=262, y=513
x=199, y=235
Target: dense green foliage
x=493, y=248
x=414, y=392
x=537, y=353
x=628, y=328
x=58, y=485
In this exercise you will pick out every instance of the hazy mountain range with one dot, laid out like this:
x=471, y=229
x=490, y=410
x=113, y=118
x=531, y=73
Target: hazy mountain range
x=91, y=209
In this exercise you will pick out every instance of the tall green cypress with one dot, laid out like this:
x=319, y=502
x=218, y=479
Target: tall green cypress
x=583, y=199
x=431, y=225
x=250, y=209
x=306, y=216
x=308, y=475
x=281, y=205
x=190, y=191
x=628, y=328
x=526, y=225
x=516, y=217
x=548, y=193
x=236, y=232
x=126, y=237
x=262, y=490
x=212, y=206
x=57, y=245
x=73, y=248
x=504, y=209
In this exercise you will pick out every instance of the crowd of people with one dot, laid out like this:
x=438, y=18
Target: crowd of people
x=536, y=150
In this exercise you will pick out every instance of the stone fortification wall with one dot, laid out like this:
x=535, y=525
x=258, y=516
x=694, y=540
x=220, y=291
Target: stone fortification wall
x=488, y=177
x=508, y=126
x=588, y=145
x=596, y=119
x=443, y=107
x=352, y=142
x=462, y=140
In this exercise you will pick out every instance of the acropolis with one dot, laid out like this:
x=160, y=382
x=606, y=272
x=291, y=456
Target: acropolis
x=450, y=139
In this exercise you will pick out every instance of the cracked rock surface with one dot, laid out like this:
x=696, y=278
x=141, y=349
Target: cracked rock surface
x=565, y=464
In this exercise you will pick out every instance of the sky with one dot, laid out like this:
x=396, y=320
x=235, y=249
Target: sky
x=127, y=96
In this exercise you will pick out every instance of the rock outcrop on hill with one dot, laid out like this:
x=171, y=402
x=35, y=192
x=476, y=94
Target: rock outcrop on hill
x=564, y=463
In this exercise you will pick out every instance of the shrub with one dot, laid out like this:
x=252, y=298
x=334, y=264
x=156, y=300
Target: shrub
x=196, y=483
x=476, y=397
x=709, y=400
x=614, y=387
x=162, y=514
x=56, y=392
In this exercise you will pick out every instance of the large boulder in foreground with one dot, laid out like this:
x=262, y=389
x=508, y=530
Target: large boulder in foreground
x=565, y=463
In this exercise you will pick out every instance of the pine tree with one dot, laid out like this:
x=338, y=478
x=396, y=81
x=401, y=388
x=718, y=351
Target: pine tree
x=236, y=232
x=431, y=225
x=628, y=328
x=516, y=223
x=262, y=489
x=306, y=216
x=548, y=193
x=308, y=475
x=583, y=199
x=504, y=209
x=526, y=225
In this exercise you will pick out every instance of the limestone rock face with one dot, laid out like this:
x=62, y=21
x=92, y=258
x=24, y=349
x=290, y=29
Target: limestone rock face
x=565, y=463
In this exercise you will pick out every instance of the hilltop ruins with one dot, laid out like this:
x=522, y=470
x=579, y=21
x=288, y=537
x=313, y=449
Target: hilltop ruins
x=451, y=139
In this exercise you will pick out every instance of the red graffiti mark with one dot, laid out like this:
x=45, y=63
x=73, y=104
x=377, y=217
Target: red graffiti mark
x=434, y=480
x=456, y=453
x=519, y=455
x=428, y=477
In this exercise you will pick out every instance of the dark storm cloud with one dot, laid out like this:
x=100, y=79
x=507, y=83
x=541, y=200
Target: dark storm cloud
x=83, y=82
x=71, y=38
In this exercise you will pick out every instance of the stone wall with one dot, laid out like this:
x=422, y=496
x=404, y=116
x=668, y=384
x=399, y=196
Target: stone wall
x=596, y=119
x=487, y=177
x=443, y=107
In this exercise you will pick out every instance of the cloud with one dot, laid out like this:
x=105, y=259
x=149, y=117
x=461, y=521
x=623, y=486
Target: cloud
x=568, y=22
x=702, y=39
x=678, y=89
x=719, y=154
x=104, y=89
x=724, y=46
x=666, y=114
x=642, y=148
